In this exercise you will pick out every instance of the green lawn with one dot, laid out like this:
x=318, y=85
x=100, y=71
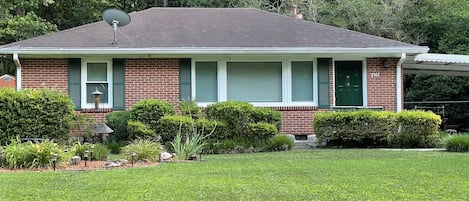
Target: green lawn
x=357, y=174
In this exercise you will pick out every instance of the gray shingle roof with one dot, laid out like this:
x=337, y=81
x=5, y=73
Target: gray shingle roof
x=209, y=28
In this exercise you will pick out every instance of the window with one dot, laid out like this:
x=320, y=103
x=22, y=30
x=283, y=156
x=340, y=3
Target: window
x=97, y=75
x=263, y=83
x=254, y=81
x=302, y=81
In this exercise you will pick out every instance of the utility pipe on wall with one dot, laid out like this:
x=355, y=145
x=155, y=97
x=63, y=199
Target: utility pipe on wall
x=399, y=82
x=16, y=59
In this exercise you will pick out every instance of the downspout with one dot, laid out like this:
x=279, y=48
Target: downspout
x=16, y=59
x=399, y=82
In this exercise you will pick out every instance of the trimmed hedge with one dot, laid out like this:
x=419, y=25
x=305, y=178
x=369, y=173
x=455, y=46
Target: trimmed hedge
x=150, y=111
x=416, y=129
x=118, y=122
x=235, y=114
x=262, y=131
x=34, y=113
x=216, y=129
x=267, y=115
x=140, y=130
x=171, y=125
x=366, y=128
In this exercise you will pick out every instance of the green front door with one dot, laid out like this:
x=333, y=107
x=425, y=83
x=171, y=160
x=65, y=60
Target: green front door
x=348, y=83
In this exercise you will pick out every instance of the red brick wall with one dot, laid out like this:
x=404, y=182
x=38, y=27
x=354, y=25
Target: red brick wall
x=151, y=78
x=382, y=83
x=7, y=81
x=45, y=73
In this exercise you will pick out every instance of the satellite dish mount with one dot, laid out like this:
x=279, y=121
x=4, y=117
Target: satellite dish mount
x=116, y=18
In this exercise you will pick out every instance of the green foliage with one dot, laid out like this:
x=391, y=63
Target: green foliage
x=261, y=131
x=78, y=149
x=150, y=111
x=117, y=121
x=215, y=129
x=83, y=125
x=17, y=28
x=115, y=147
x=38, y=113
x=18, y=155
x=416, y=129
x=138, y=129
x=190, y=109
x=171, y=125
x=267, y=115
x=280, y=143
x=146, y=150
x=236, y=146
x=361, y=128
x=190, y=146
x=235, y=114
x=456, y=143
x=100, y=152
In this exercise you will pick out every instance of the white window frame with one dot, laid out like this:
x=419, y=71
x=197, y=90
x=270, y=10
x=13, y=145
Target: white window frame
x=222, y=77
x=84, y=81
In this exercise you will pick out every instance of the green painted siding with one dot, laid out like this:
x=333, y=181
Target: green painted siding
x=302, y=80
x=323, y=83
x=254, y=81
x=206, y=81
x=185, y=79
x=74, y=81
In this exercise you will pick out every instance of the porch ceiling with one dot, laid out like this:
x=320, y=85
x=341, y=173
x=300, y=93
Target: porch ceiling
x=437, y=64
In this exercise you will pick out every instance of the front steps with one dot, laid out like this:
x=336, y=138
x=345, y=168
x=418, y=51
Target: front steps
x=304, y=142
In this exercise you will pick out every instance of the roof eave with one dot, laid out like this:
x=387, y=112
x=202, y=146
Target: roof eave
x=212, y=51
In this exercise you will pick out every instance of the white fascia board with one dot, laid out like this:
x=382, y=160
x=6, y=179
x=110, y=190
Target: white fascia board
x=213, y=51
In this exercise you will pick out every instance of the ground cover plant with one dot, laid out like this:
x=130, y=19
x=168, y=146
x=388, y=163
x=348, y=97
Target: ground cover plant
x=357, y=174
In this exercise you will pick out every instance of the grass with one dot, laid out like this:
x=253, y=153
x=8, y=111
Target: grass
x=355, y=174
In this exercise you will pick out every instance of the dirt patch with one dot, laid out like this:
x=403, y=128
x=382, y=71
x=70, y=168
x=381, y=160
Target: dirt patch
x=95, y=165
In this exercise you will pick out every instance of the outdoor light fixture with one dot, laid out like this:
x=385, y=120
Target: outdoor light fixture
x=385, y=63
x=96, y=95
x=91, y=152
x=85, y=155
x=132, y=155
x=54, y=160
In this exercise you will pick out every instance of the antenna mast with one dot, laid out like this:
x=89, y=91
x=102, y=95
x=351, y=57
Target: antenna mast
x=116, y=18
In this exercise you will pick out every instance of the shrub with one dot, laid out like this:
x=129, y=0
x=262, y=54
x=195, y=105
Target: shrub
x=138, y=129
x=118, y=122
x=146, y=150
x=100, y=152
x=416, y=129
x=261, y=131
x=235, y=114
x=28, y=155
x=267, y=115
x=83, y=125
x=190, y=109
x=34, y=113
x=235, y=145
x=361, y=128
x=456, y=143
x=78, y=149
x=280, y=143
x=115, y=146
x=150, y=111
x=214, y=129
x=171, y=125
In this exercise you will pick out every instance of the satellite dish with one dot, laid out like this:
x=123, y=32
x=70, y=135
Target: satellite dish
x=116, y=18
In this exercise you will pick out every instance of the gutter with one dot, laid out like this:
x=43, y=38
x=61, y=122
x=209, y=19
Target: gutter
x=399, y=82
x=18, y=70
x=211, y=50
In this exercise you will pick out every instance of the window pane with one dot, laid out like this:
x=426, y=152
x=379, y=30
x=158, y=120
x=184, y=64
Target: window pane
x=254, y=81
x=97, y=72
x=206, y=81
x=302, y=80
x=103, y=88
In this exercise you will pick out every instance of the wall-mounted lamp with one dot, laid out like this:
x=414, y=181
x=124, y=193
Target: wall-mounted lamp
x=385, y=63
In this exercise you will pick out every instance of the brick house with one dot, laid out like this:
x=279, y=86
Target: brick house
x=7, y=81
x=217, y=54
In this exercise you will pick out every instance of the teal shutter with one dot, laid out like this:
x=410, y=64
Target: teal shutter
x=323, y=83
x=185, y=79
x=118, y=85
x=74, y=81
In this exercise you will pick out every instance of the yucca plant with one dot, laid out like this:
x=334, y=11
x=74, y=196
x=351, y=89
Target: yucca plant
x=145, y=150
x=190, y=145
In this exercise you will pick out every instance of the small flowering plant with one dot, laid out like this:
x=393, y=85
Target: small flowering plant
x=18, y=155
